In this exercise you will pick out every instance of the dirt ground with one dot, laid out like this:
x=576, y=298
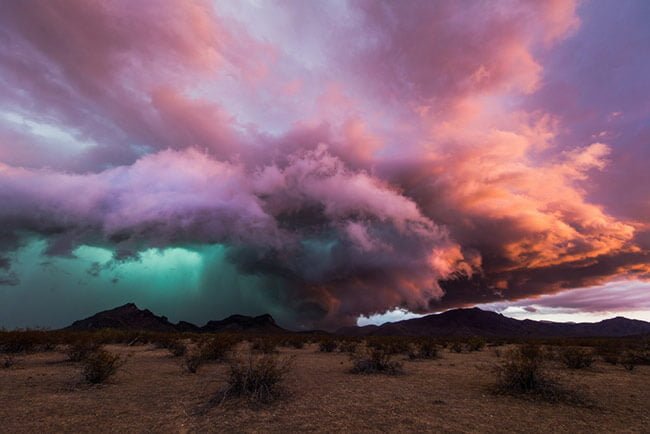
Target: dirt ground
x=151, y=393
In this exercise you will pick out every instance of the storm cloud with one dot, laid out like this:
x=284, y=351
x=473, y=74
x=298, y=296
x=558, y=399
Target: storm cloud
x=352, y=157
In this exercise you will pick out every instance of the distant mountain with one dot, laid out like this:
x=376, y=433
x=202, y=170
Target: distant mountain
x=127, y=317
x=241, y=323
x=457, y=322
x=477, y=322
x=130, y=317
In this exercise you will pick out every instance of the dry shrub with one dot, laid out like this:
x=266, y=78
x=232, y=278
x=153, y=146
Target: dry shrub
x=8, y=361
x=297, y=343
x=348, y=347
x=522, y=373
x=456, y=347
x=629, y=360
x=257, y=378
x=610, y=354
x=19, y=341
x=576, y=358
x=216, y=348
x=100, y=365
x=327, y=346
x=176, y=348
x=390, y=344
x=265, y=346
x=373, y=360
x=81, y=349
x=192, y=362
x=475, y=344
x=424, y=350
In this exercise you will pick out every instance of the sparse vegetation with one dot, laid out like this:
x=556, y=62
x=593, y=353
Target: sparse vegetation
x=100, y=365
x=522, y=373
x=192, y=362
x=216, y=348
x=296, y=342
x=374, y=360
x=456, y=347
x=327, y=346
x=176, y=348
x=348, y=346
x=475, y=344
x=576, y=358
x=8, y=361
x=426, y=349
x=80, y=350
x=256, y=378
x=265, y=346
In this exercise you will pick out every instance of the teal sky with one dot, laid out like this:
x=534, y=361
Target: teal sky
x=195, y=284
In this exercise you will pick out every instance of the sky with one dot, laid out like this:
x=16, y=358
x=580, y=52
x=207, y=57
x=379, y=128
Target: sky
x=329, y=163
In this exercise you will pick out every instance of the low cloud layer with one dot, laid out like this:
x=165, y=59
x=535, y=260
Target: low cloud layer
x=379, y=156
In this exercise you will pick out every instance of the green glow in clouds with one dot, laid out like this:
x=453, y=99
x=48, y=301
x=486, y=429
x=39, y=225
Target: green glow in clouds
x=181, y=283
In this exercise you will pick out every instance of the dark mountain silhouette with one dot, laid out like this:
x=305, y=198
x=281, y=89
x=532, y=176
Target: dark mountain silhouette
x=457, y=322
x=130, y=317
x=241, y=323
x=477, y=322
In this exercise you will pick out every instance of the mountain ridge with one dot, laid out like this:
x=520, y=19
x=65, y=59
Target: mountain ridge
x=452, y=323
x=130, y=317
x=477, y=322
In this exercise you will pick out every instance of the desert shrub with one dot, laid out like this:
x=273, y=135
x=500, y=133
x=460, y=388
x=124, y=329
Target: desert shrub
x=425, y=349
x=192, y=362
x=256, y=378
x=264, y=346
x=612, y=358
x=456, y=347
x=177, y=348
x=47, y=346
x=297, y=343
x=522, y=373
x=609, y=354
x=327, y=346
x=391, y=345
x=81, y=349
x=628, y=361
x=373, y=360
x=576, y=358
x=347, y=346
x=216, y=348
x=19, y=341
x=100, y=365
x=475, y=344
x=8, y=361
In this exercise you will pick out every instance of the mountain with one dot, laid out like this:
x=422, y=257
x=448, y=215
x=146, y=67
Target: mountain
x=456, y=322
x=477, y=322
x=130, y=317
x=127, y=317
x=241, y=323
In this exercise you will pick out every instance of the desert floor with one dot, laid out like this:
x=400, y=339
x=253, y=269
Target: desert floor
x=151, y=393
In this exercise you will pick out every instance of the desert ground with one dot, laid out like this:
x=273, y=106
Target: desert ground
x=43, y=392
